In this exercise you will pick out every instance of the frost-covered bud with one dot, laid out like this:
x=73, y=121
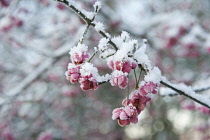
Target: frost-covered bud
x=73, y=73
x=148, y=87
x=125, y=115
x=45, y=136
x=88, y=83
x=124, y=66
x=79, y=54
x=116, y=113
x=133, y=65
x=137, y=100
x=120, y=79
x=79, y=59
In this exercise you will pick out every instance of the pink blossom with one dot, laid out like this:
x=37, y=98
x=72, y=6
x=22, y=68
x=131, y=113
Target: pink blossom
x=88, y=82
x=149, y=87
x=133, y=65
x=120, y=80
x=137, y=100
x=79, y=58
x=124, y=66
x=73, y=74
x=125, y=115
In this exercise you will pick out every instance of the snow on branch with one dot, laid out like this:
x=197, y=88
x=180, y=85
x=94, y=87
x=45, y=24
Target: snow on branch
x=180, y=88
x=79, y=11
x=188, y=92
x=164, y=91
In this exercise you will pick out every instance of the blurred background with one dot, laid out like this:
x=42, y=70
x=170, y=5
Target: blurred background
x=38, y=103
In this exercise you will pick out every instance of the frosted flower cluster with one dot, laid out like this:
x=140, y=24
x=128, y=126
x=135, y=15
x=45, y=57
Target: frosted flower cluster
x=82, y=71
x=127, y=57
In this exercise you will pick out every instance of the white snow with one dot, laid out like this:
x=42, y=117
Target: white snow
x=97, y=6
x=103, y=44
x=89, y=15
x=88, y=69
x=189, y=92
x=99, y=26
x=80, y=48
x=153, y=75
x=141, y=57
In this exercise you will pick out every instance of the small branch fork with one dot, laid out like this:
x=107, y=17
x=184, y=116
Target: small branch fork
x=87, y=20
x=103, y=34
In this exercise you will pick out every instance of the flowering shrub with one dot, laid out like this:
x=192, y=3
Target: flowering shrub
x=38, y=103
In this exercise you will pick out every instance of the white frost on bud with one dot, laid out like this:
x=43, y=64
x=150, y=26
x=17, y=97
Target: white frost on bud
x=79, y=49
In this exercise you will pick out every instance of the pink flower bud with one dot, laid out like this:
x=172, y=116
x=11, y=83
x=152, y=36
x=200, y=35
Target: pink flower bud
x=120, y=80
x=125, y=115
x=116, y=113
x=73, y=74
x=137, y=101
x=123, y=66
x=88, y=83
x=79, y=58
x=149, y=87
x=123, y=122
x=133, y=65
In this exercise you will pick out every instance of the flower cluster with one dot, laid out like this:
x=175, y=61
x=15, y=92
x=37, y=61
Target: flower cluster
x=120, y=63
x=82, y=71
x=136, y=103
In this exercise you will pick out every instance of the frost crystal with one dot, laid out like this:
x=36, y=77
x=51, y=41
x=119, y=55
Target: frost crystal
x=87, y=14
x=97, y=6
x=103, y=44
x=99, y=26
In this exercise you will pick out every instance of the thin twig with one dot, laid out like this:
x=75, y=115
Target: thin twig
x=88, y=21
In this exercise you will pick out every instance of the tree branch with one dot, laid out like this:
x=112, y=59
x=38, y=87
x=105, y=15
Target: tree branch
x=196, y=97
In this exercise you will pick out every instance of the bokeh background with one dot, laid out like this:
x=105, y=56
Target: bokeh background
x=38, y=103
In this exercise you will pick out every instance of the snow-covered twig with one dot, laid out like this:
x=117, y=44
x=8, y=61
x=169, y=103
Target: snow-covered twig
x=181, y=89
x=188, y=92
x=86, y=19
x=169, y=93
